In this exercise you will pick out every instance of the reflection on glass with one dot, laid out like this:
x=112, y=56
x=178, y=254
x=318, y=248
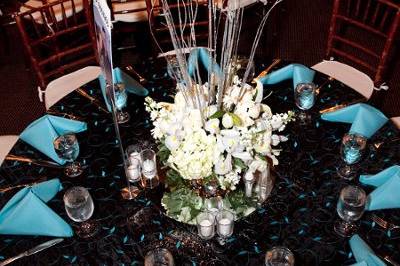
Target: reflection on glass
x=67, y=148
x=158, y=257
x=79, y=207
x=352, y=149
x=279, y=256
x=121, y=99
x=350, y=208
x=304, y=95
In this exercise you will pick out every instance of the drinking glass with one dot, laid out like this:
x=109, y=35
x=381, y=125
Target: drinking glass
x=159, y=257
x=352, y=149
x=225, y=221
x=121, y=98
x=67, y=148
x=79, y=207
x=205, y=225
x=149, y=168
x=214, y=205
x=350, y=208
x=279, y=256
x=304, y=96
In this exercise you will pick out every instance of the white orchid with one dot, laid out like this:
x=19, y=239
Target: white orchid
x=223, y=165
x=227, y=121
x=212, y=126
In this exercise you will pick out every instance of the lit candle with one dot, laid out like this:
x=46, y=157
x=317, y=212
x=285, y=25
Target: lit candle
x=225, y=227
x=248, y=183
x=133, y=173
x=206, y=228
x=149, y=169
x=134, y=158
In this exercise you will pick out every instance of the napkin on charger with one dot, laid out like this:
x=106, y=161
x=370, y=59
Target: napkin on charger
x=386, y=194
x=42, y=132
x=297, y=72
x=26, y=213
x=365, y=120
x=363, y=254
x=131, y=86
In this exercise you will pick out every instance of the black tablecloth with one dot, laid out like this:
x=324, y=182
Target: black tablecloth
x=299, y=214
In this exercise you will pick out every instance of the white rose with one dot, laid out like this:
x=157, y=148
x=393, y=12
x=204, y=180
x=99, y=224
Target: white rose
x=179, y=100
x=222, y=167
x=212, y=126
x=227, y=121
x=254, y=111
x=210, y=110
x=172, y=142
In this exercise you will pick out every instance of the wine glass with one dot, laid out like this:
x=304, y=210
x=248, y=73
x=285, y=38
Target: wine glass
x=67, y=148
x=350, y=208
x=225, y=221
x=205, y=225
x=304, y=96
x=121, y=98
x=159, y=256
x=279, y=256
x=79, y=207
x=352, y=149
x=214, y=205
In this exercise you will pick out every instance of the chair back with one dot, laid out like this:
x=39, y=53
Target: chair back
x=159, y=27
x=348, y=75
x=128, y=10
x=361, y=34
x=58, y=38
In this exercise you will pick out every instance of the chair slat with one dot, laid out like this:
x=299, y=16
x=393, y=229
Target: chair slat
x=353, y=58
x=363, y=26
x=358, y=46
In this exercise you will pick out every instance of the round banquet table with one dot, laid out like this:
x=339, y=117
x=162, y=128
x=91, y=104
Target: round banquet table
x=299, y=213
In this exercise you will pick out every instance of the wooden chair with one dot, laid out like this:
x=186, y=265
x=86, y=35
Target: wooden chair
x=161, y=31
x=58, y=45
x=362, y=32
x=128, y=10
x=69, y=7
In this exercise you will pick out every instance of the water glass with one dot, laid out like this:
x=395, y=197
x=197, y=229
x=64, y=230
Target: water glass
x=352, y=150
x=225, y=220
x=214, y=205
x=206, y=225
x=350, y=208
x=304, y=95
x=79, y=207
x=158, y=257
x=149, y=168
x=279, y=256
x=120, y=101
x=67, y=148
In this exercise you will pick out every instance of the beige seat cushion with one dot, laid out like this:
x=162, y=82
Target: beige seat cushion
x=7, y=142
x=130, y=17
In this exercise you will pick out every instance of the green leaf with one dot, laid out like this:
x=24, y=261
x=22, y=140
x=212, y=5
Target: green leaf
x=239, y=163
x=217, y=114
x=173, y=179
x=236, y=119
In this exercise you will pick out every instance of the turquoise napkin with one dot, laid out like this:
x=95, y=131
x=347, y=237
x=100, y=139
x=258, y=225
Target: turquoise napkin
x=363, y=253
x=131, y=86
x=202, y=54
x=41, y=133
x=297, y=72
x=27, y=213
x=386, y=196
x=381, y=177
x=365, y=119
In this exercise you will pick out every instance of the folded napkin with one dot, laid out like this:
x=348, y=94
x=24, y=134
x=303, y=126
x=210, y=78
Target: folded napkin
x=297, y=72
x=131, y=86
x=41, y=133
x=27, y=213
x=365, y=119
x=203, y=55
x=381, y=177
x=386, y=196
x=363, y=253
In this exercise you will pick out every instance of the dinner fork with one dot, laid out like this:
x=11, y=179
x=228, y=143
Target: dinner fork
x=6, y=189
x=382, y=223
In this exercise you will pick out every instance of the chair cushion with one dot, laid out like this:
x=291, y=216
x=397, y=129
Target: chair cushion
x=6, y=144
x=132, y=16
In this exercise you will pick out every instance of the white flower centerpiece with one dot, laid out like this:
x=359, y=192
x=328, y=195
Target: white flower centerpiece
x=218, y=132
x=209, y=158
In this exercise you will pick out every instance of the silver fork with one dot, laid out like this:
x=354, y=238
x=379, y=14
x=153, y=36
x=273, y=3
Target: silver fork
x=384, y=224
